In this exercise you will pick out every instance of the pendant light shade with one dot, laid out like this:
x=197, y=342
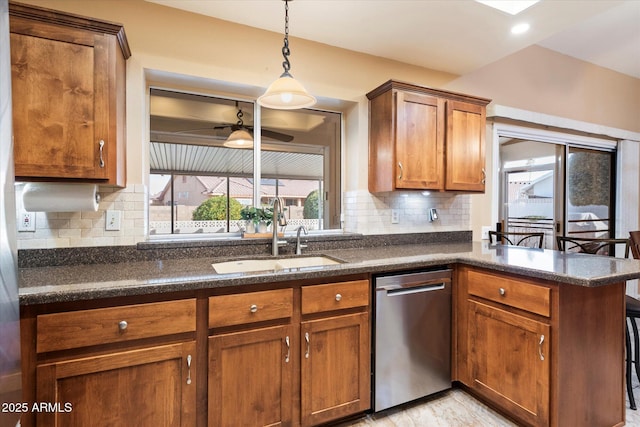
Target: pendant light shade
x=239, y=139
x=286, y=93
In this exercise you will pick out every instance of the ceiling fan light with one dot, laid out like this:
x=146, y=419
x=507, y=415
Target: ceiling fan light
x=286, y=93
x=239, y=139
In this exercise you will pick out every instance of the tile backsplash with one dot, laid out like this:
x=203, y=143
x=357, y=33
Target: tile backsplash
x=365, y=213
x=87, y=228
x=368, y=213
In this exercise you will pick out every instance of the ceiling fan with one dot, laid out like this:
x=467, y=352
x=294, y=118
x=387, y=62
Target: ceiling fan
x=239, y=127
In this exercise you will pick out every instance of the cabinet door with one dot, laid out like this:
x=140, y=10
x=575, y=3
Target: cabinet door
x=61, y=101
x=509, y=361
x=419, y=141
x=335, y=368
x=250, y=378
x=465, y=162
x=153, y=386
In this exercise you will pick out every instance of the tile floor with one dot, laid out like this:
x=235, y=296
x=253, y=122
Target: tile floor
x=455, y=408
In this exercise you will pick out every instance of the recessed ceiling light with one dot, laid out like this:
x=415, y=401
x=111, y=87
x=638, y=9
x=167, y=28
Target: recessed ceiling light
x=520, y=28
x=512, y=7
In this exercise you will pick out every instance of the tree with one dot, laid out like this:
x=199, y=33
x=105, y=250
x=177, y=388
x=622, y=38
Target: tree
x=311, y=208
x=215, y=208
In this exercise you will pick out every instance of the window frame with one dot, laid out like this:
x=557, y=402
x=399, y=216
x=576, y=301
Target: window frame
x=332, y=215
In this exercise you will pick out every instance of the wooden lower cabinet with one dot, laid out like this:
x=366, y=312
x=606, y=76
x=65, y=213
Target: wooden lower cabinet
x=545, y=353
x=510, y=361
x=153, y=386
x=270, y=357
x=250, y=378
x=335, y=373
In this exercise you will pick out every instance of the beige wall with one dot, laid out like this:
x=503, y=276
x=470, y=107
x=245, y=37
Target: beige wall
x=207, y=51
x=541, y=80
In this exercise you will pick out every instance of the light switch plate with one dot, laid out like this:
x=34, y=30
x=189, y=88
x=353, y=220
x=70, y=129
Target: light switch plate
x=112, y=220
x=27, y=221
x=485, y=232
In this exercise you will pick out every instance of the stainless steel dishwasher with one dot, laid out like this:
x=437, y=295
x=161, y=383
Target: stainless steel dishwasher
x=412, y=355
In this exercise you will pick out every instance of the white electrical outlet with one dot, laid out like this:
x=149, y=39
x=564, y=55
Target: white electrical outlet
x=485, y=232
x=27, y=221
x=395, y=216
x=112, y=220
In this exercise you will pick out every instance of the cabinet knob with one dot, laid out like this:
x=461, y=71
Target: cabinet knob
x=253, y=308
x=502, y=291
x=338, y=297
x=122, y=325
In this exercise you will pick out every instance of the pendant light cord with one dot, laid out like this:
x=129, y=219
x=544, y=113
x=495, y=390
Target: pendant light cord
x=285, y=49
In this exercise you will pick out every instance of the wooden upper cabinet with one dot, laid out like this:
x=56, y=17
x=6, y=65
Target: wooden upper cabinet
x=419, y=141
x=68, y=92
x=425, y=139
x=465, y=160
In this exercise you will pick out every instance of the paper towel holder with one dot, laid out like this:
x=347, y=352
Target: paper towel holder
x=60, y=197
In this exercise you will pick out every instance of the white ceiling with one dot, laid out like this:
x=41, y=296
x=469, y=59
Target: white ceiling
x=456, y=36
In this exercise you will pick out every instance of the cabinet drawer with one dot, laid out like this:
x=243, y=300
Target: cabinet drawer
x=237, y=309
x=335, y=296
x=519, y=294
x=62, y=331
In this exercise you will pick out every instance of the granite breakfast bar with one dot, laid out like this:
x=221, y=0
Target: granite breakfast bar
x=563, y=313
x=40, y=285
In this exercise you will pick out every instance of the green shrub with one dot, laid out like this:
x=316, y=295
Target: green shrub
x=215, y=208
x=312, y=205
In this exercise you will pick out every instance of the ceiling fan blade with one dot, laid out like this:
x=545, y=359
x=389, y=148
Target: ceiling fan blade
x=277, y=135
x=208, y=128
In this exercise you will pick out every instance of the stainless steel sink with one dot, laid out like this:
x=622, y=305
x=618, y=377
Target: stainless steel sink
x=273, y=264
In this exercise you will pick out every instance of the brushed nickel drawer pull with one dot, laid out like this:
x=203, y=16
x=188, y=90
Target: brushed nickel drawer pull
x=253, y=308
x=101, y=144
x=122, y=325
x=540, y=347
x=484, y=176
x=286, y=340
x=306, y=338
x=189, y=367
x=502, y=291
x=338, y=297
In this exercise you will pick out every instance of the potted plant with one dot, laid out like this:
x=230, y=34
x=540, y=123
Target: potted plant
x=251, y=216
x=257, y=219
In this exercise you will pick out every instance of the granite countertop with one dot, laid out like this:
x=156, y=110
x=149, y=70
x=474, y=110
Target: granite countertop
x=81, y=282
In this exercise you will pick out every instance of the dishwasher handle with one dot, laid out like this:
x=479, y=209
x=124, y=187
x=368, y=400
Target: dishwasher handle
x=413, y=280
x=414, y=290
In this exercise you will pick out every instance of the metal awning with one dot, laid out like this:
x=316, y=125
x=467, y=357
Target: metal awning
x=180, y=158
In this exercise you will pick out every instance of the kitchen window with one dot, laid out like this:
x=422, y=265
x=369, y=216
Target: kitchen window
x=198, y=184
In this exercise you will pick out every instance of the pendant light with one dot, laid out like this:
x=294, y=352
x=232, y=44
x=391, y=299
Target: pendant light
x=240, y=137
x=286, y=93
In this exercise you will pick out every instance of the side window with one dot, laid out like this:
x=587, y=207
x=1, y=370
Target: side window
x=202, y=170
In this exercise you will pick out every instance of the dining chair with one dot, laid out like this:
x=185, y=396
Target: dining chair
x=633, y=313
x=632, y=305
x=634, y=243
x=529, y=239
x=595, y=246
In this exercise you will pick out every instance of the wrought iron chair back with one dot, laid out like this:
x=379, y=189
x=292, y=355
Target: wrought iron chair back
x=634, y=243
x=533, y=239
x=594, y=246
